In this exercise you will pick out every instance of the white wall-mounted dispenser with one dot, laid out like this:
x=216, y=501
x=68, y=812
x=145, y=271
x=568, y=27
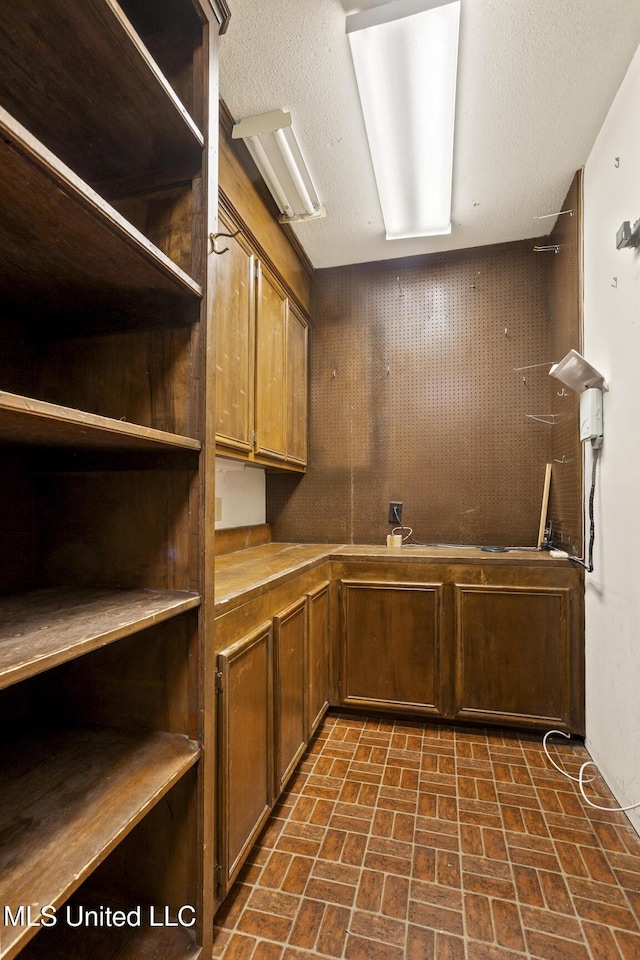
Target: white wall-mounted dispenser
x=591, y=414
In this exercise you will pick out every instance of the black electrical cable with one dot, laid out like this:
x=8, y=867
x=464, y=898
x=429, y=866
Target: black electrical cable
x=592, y=527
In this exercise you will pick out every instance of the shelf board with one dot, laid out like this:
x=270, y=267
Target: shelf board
x=79, y=76
x=68, y=798
x=25, y=420
x=68, y=254
x=108, y=943
x=40, y=629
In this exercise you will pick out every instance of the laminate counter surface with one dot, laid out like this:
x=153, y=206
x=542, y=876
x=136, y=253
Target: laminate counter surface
x=247, y=573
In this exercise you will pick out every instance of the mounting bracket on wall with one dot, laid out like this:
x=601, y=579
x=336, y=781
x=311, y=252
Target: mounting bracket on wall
x=550, y=418
x=628, y=236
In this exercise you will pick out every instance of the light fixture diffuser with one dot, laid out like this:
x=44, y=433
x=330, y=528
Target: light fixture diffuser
x=575, y=372
x=270, y=139
x=405, y=57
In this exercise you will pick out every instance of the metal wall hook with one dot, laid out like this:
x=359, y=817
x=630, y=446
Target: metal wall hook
x=214, y=237
x=546, y=216
x=563, y=393
x=564, y=459
x=555, y=247
x=549, y=418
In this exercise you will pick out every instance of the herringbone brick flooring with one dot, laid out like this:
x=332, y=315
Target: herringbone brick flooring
x=408, y=840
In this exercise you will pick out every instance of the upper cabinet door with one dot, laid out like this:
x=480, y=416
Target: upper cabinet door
x=234, y=341
x=297, y=335
x=271, y=333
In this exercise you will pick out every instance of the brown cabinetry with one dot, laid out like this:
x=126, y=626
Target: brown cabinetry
x=235, y=344
x=499, y=644
x=105, y=748
x=290, y=629
x=245, y=747
x=261, y=359
x=273, y=677
x=271, y=360
x=392, y=645
x=318, y=655
x=514, y=655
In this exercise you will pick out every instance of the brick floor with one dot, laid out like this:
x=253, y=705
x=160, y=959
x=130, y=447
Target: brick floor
x=403, y=840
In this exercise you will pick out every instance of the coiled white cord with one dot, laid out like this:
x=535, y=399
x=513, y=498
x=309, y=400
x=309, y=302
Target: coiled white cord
x=580, y=779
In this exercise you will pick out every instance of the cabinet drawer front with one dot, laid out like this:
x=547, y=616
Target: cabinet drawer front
x=513, y=654
x=391, y=645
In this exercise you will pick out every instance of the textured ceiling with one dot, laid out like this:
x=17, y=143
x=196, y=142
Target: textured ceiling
x=535, y=81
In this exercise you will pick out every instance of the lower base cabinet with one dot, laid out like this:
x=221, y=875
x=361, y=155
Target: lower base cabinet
x=318, y=655
x=495, y=645
x=513, y=656
x=290, y=637
x=245, y=748
x=270, y=680
x=392, y=645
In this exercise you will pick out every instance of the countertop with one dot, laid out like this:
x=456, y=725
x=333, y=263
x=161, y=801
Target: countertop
x=247, y=573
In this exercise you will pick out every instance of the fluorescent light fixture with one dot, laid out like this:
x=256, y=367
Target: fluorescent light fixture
x=405, y=56
x=272, y=144
x=574, y=371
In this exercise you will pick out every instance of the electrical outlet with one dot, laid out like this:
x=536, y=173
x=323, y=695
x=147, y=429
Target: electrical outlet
x=395, y=512
x=218, y=508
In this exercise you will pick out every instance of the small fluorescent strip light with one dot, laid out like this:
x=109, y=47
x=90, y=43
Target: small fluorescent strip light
x=405, y=56
x=272, y=144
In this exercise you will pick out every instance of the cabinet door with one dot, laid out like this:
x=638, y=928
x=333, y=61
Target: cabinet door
x=270, y=396
x=245, y=755
x=290, y=674
x=513, y=656
x=234, y=342
x=391, y=646
x=296, y=388
x=317, y=656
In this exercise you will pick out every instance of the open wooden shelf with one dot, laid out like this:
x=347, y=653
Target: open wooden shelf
x=68, y=798
x=24, y=420
x=66, y=251
x=40, y=629
x=79, y=76
x=108, y=943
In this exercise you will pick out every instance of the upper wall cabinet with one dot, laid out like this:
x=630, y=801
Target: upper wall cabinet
x=235, y=306
x=261, y=359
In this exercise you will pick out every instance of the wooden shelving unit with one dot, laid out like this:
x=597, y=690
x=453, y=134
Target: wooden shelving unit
x=41, y=629
x=108, y=195
x=125, y=142
x=75, y=793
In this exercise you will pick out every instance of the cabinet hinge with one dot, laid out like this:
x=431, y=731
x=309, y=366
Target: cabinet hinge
x=339, y=591
x=218, y=682
x=255, y=439
x=218, y=875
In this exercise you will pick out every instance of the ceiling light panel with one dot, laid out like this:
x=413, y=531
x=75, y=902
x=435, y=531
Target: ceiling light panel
x=405, y=60
x=270, y=139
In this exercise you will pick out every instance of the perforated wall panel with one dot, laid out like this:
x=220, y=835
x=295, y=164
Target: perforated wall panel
x=414, y=398
x=565, y=287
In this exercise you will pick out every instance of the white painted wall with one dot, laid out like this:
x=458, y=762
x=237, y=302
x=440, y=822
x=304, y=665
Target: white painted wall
x=242, y=490
x=612, y=344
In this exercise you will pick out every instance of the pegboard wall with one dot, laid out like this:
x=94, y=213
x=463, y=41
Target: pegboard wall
x=565, y=305
x=414, y=398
